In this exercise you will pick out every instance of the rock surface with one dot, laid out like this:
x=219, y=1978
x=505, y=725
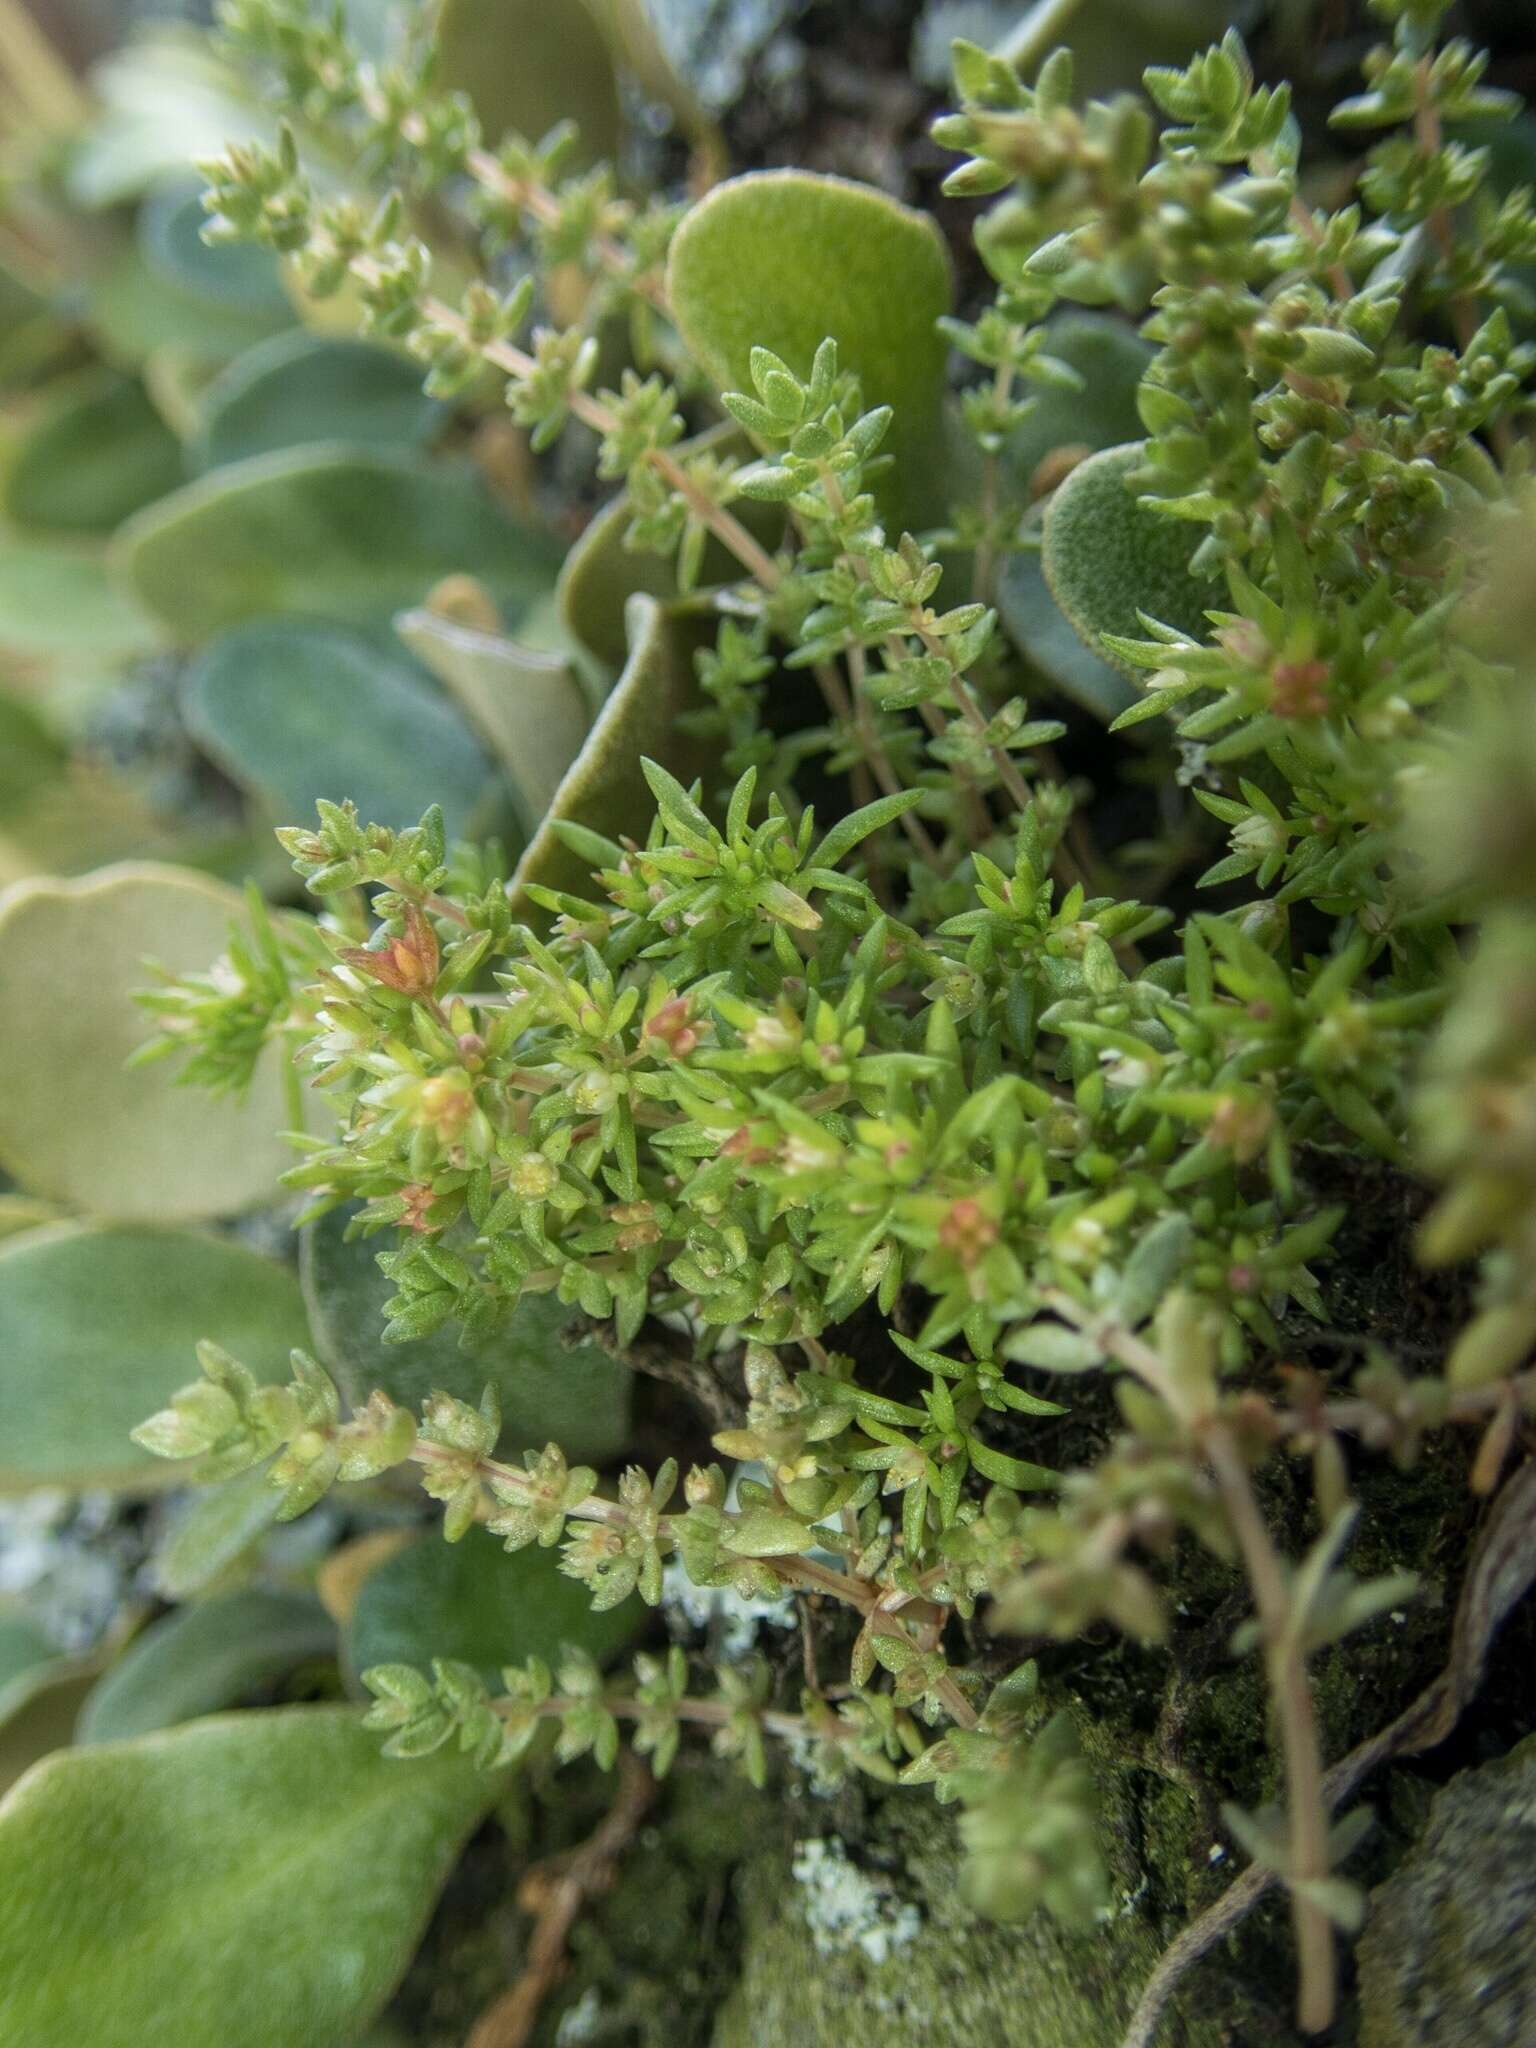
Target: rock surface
x=863, y=1949
x=1449, y=1952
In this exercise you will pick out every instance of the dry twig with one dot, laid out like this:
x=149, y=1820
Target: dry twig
x=555, y=1893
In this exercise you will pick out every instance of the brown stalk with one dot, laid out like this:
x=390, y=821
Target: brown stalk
x=555, y=1894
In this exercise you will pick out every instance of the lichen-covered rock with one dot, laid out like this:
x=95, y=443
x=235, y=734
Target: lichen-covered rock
x=855, y=1947
x=1449, y=1952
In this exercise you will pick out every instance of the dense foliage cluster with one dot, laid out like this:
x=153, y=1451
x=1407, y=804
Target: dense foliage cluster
x=853, y=1085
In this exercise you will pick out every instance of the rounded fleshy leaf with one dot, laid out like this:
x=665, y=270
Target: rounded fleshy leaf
x=298, y=389
x=527, y=65
x=214, y=1528
x=147, y=1885
x=328, y=532
x=57, y=599
x=781, y=260
x=293, y=710
x=39, y=1712
x=525, y=703
x=99, y=1326
x=76, y=1123
x=573, y=1393
x=604, y=790
x=474, y=1602
x=205, y=1657
x=95, y=456
x=1111, y=358
x=1108, y=558
x=236, y=275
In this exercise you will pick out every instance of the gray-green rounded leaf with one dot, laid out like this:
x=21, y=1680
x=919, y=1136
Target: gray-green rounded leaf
x=76, y=1123
x=293, y=709
x=97, y=455
x=298, y=388
x=205, y=1657
x=57, y=599
x=330, y=532
x=98, y=1328
x=525, y=703
x=258, y=1879
x=238, y=276
x=476, y=1603
x=1111, y=358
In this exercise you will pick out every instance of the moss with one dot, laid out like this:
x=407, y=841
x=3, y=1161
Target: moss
x=951, y=1980
x=650, y=1961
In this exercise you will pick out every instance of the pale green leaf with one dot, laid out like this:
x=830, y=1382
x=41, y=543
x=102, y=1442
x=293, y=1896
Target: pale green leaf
x=294, y=710
x=260, y=1879
x=205, y=1657
x=78, y=1125
x=98, y=1328
x=783, y=259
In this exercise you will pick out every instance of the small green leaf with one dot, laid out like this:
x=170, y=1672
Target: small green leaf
x=783, y=259
x=1006, y=1471
x=98, y=1328
x=75, y=1122
x=295, y=710
x=205, y=1657
x=1108, y=558
x=574, y=1393
x=847, y=833
x=763, y=1532
x=1052, y=1348
x=146, y=1887
x=1152, y=1268
x=474, y=1602
x=328, y=532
